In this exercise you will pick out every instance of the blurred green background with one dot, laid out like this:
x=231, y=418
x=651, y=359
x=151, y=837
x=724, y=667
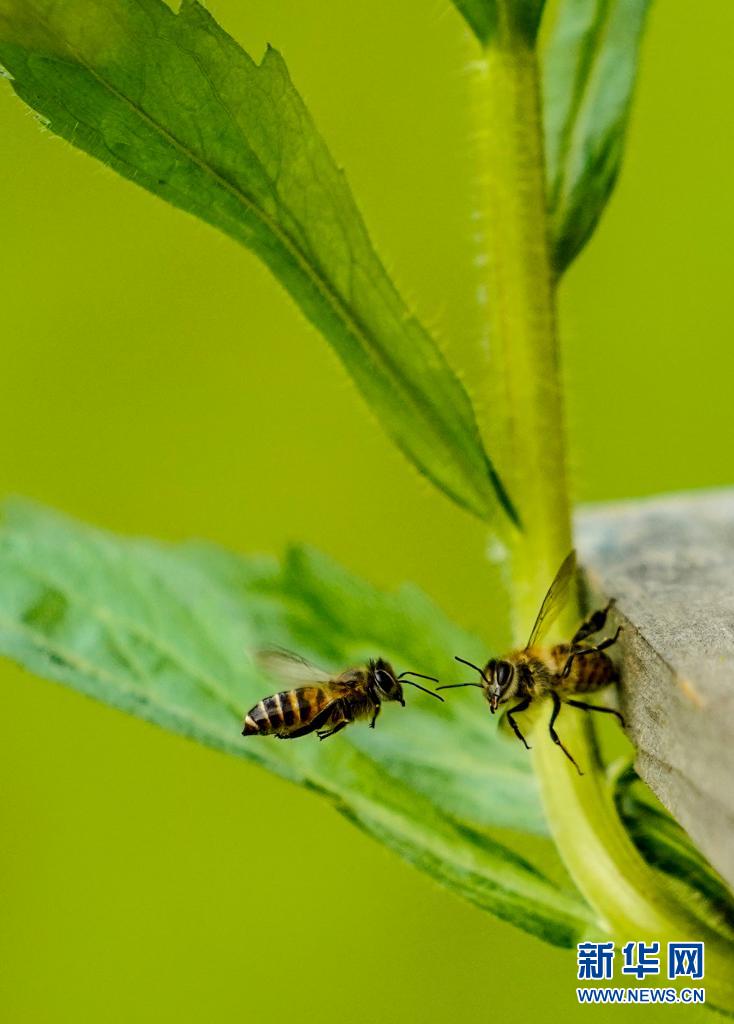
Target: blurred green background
x=156, y=381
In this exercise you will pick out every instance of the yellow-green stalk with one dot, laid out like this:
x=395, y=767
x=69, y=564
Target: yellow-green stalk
x=524, y=388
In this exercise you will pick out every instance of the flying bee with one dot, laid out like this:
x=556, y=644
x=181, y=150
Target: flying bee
x=325, y=703
x=529, y=674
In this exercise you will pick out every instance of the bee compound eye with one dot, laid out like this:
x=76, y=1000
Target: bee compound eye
x=382, y=679
x=503, y=673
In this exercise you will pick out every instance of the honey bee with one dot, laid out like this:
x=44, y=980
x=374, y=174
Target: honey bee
x=327, y=703
x=533, y=672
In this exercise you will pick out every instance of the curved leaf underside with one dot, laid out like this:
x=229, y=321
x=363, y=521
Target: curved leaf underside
x=173, y=103
x=590, y=69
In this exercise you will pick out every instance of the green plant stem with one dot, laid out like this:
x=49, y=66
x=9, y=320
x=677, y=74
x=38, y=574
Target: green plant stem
x=630, y=898
x=524, y=374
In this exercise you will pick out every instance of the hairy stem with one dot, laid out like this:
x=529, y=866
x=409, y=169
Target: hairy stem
x=630, y=897
x=524, y=374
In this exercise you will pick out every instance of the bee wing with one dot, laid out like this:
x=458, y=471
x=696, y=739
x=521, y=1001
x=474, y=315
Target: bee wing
x=291, y=668
x=555, y=599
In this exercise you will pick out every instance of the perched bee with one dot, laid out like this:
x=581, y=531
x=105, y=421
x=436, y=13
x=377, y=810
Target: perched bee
x=326, y=703
x=533, y=672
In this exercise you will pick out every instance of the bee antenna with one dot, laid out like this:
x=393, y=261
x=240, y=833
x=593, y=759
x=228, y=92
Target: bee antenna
x=419, y=687
x=455, y=686
x=476, y=669
x=419, y=675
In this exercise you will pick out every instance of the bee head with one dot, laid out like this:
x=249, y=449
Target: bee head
x=498, y=676
x=386, y=685
x=385, y=682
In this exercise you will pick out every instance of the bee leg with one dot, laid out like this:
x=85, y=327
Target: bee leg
x=575, y=654
x=316, y=723
x=593, y=624
x=376, y=712
x=554, y=735
x=589, y=650
x=522, y=706
x=341, y=715
x=330, y=732
x=596, y=707
x=609, y=641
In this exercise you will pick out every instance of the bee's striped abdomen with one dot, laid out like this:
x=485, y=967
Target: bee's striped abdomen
x=594, y=671
x=285, y=711
x=589, y=672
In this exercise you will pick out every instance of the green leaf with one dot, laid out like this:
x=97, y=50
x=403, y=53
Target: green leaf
x=665, y=845
x=589, y=76
x=484, y=17
x=171, y=102
x=481, y=16
x=168, y=633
